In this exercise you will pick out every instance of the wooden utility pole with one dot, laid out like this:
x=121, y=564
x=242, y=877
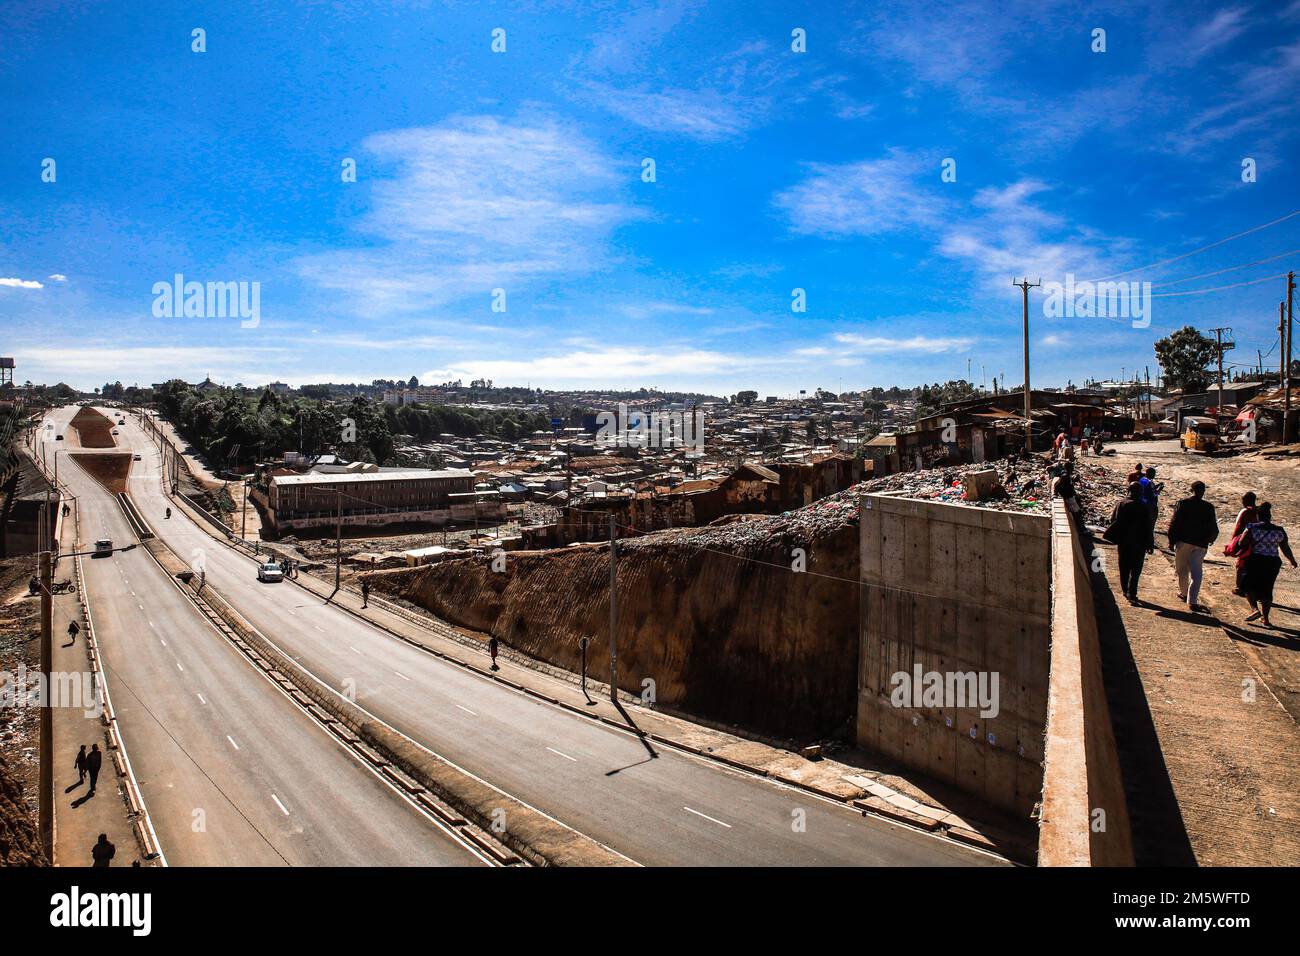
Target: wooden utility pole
x=1025, y=286
x=1219, y=346
x=1286, y=359
x=613, y=608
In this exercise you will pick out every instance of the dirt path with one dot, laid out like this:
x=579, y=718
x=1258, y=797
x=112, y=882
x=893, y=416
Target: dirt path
x=1275, y=653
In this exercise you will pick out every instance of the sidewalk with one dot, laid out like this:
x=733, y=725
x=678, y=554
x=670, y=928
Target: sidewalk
x=79, y=819
x=1211, y=777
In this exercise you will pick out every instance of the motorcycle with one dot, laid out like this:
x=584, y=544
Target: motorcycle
x=63, y=587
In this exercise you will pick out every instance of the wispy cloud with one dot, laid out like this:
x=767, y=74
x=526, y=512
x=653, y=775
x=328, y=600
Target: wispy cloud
x=13, y=283
x=476, y=204
x=866, y=198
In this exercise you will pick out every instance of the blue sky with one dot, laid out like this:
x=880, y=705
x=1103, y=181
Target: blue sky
x=522, y=171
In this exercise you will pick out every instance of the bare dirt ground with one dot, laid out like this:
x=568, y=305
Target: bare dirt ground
x=93, y=429
x=1275, y=652
x=109, y=470
x=18, y=725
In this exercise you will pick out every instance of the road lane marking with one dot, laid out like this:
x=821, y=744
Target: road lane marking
x=321, y=629
x=565, y=756
x=351, y=648
x=201, y=700
x=232, y=741
x=162, y=642
x=282, y=807
x=707, y=817
x=179, y=665
x=467, y=710
x=401, y=675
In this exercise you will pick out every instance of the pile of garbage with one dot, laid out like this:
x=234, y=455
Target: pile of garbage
x=1020, y=484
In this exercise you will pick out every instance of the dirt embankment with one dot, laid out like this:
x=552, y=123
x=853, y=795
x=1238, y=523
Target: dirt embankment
x=716, y=617
x=111, y=471
x=19, y=840
x=93, y=429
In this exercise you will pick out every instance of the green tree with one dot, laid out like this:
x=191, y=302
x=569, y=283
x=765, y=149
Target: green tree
x=1185, y=356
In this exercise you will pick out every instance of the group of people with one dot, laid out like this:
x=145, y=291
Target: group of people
x=1257, y=543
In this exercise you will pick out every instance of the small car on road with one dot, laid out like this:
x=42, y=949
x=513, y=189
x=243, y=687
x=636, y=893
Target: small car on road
x=269, y=571
x=103, y=548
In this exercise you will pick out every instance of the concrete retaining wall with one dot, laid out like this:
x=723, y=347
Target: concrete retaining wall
x=1085, y=818
x=952, y=590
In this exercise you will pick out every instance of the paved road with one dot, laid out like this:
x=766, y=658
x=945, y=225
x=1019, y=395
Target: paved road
x=232, y=771
x=675, y=810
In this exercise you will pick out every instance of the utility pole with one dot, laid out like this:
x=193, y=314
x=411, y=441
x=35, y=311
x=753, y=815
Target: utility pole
x=613, y=609
x=1025, y=286
x=1286, y=401
x=243, y=524
x=1219, y=346
x=45, y=801
x=338, y=540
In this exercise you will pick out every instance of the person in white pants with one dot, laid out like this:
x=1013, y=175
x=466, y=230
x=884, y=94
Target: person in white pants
x=1192, y=529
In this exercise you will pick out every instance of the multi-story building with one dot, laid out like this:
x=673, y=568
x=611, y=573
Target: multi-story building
x=298, y=502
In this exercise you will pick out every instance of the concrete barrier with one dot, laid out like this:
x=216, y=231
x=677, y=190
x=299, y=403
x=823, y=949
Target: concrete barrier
x=956, y=596
x=1084, y=819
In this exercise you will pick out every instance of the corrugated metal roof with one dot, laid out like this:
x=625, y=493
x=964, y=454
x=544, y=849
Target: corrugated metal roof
x=412, y=474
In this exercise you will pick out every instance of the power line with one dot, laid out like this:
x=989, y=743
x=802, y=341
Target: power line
x=1235, y=285
x=1206, y=275
x=1185, y=255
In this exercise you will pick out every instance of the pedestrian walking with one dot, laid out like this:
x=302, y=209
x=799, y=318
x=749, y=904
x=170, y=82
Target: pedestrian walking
x=492, y=649
x=103, y=851
x=1262, y=566
x=365, y=594
x=1192, y=529
x=1131, y=531
x=73, y=630
x=1137, y=474
x=94, y=760
x=1151, y=493
x=81, y=765
x=1247, y=516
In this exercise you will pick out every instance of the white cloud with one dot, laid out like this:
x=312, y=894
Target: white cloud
x=607, y=366
x=863, y=199
x=477, y=204
x=20, y=284
x=58, y=277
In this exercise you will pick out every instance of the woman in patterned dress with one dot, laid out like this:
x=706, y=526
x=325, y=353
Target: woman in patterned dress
x=1263, y=565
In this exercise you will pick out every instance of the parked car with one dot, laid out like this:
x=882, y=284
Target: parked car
x=270, y=571
x=58, y=438
x=103, y=548
x=136, y=458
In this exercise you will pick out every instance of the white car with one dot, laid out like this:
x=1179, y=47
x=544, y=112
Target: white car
x=270, y=571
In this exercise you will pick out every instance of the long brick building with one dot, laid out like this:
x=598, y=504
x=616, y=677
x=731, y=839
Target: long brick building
x=298, y=502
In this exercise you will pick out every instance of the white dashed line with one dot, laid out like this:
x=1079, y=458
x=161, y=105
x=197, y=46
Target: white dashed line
x=351, y=648
x=707, y=817
x=201, y=700
x=232, y=741
x=565, y=756
x=401, y=675
x=282, y=807
x=162, y=642
x=179, y=666
x=467, y=710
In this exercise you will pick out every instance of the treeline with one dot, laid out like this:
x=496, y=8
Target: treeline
x=236, y=429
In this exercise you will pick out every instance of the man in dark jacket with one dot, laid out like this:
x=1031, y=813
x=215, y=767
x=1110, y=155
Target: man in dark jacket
x=1192, y=530
x=1131, y=532
x=94, y=760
